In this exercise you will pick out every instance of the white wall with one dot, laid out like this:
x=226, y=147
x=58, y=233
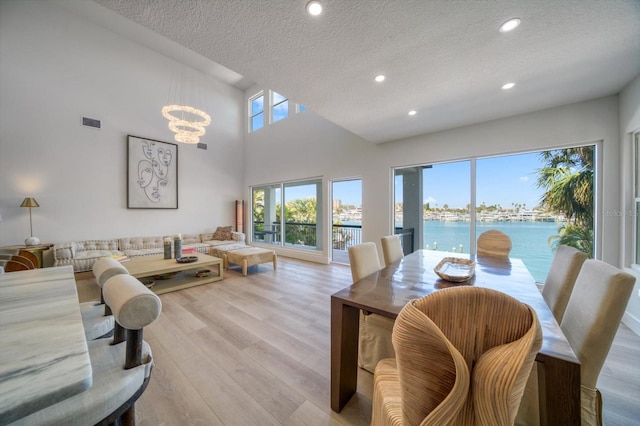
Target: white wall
x=307, y=145
x=629, y=123
x=55, y=68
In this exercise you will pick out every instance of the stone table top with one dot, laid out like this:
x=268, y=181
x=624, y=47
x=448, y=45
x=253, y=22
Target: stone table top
x=43, y=351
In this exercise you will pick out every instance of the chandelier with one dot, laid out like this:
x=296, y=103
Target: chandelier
x=186, y=104
x=186, y=122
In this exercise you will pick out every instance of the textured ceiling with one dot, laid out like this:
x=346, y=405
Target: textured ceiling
x=443, y=58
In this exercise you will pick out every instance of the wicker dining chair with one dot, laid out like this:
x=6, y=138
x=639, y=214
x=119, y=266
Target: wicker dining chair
x=494, y=243
x=374, y=338
x=463, y=355
x=391, y=249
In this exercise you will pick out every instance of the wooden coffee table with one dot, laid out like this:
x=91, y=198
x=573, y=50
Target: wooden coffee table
x=152, y=266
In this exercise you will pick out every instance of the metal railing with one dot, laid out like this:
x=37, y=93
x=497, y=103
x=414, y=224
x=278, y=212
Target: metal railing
x=342, y=236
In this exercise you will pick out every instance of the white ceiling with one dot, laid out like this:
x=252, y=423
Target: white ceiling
x=443, y=58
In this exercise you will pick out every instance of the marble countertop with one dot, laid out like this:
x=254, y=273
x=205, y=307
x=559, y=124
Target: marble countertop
x=43, y=351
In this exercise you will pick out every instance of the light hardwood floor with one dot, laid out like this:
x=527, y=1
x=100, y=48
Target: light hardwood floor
x=255, y=351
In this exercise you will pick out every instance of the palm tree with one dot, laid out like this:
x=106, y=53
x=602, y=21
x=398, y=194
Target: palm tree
x=568, y=180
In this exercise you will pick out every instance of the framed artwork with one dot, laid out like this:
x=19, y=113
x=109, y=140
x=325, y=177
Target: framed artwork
x=152, y=174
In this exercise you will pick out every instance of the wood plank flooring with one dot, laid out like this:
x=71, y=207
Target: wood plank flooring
x=255, y=351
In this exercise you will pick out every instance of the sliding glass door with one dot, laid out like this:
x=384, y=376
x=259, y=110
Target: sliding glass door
x=287, y=214
x=539, y=199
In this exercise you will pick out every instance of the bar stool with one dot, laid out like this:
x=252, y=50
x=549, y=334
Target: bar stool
x=121, y=371
x=96, y=315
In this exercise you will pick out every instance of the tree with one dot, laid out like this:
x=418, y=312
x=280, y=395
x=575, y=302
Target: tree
x=568, y=182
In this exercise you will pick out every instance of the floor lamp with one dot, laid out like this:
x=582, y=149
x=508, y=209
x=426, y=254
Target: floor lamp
x=240, y=215
x=30, y=202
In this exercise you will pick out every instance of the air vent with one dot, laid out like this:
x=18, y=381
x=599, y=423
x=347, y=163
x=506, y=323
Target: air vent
x=91, y=122
x=202, y=146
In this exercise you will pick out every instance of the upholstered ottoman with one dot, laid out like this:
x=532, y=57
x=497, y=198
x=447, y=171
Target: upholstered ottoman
x=249, y=256
x=219, y=251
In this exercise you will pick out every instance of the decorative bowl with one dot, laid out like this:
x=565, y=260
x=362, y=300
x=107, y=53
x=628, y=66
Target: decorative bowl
x=166, y=276
x=203, y=273
x=455, y=269
x=187, y=259
x=148, y=282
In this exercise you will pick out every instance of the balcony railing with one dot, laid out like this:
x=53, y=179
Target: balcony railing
x=304, y=234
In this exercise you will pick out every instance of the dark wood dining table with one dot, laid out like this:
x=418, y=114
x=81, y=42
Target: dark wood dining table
x=387, y=291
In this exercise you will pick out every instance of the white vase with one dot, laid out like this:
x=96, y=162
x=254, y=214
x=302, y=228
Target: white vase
x=32, y=241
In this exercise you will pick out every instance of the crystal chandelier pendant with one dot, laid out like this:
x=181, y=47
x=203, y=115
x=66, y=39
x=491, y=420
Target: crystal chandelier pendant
x=185, y=124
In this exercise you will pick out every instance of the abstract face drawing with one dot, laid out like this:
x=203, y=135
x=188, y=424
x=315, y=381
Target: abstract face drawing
x=153, y=172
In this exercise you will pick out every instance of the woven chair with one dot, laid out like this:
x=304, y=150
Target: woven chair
x=391, y=249
x=494, y=243
x=463, y=355
x=374, y=339
x=121, y=366
x=561, y=278
x=96, y=315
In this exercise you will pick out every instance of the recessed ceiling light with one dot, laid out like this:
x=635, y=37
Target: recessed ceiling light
x=314, y=8
x=511, y=24
x=412, y=112
x=379, y=78
x=508, y=86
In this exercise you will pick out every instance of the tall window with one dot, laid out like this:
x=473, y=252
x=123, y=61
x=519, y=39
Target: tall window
x=256, y=109
x=288, y=214
x=279, y=106
x=346, y=222
x=539, y=199
x=636, y=146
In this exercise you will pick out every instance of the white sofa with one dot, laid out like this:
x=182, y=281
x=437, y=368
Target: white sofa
x=83, y=254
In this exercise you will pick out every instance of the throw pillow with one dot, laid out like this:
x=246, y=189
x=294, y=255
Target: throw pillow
x=222, y=233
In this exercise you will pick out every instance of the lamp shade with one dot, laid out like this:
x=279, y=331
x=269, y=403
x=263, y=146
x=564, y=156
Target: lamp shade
x=29, y=202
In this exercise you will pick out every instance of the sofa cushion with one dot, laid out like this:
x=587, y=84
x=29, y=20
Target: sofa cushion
x=143, y=252
x=223, y=233
x=139, y=243
x=96, y=254
x=190, y=239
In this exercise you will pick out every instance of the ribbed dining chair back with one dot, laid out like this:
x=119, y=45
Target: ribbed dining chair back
x=374, y=338
x=561, y=278
x=590, y=322
x=391, y=249
x=494, y=243
x=463, y=355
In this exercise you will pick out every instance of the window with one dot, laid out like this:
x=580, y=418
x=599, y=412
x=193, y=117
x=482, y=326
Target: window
x=636, y=146
x=450, y=204
x=279, y=106
x=287, y=214
x=256, y=112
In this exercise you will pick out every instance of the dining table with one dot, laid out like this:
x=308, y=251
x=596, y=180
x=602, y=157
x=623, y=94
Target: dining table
x=43, y=350
x=387, y=291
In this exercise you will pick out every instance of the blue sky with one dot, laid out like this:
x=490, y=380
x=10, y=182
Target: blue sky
x=501, y=180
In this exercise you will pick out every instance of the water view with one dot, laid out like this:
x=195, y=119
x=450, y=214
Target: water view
x=530, y=240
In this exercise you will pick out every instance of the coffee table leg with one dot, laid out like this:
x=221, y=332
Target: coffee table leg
x=275, y=261
x=244, y=267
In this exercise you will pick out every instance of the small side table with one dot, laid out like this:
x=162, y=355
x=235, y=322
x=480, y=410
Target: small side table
x=37, y=250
